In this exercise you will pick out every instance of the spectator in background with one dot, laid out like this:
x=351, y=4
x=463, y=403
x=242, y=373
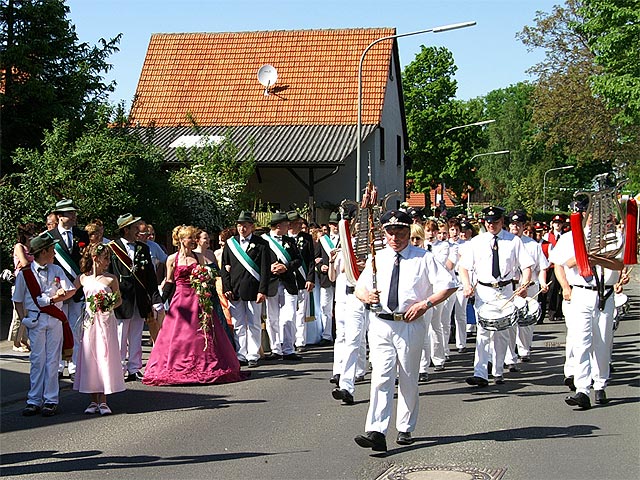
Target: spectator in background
x=52, y=221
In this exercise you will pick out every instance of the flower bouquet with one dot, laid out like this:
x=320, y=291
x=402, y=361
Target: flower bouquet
x=100, y=302
x=203, y=282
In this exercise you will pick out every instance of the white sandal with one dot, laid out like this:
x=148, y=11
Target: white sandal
x=92, y=408
x=104, y=409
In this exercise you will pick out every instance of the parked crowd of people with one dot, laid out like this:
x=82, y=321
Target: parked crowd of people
x=82, y=302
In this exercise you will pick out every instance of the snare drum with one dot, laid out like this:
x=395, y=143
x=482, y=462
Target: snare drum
x=495, y=315
x=531, y=314
x=621, y=303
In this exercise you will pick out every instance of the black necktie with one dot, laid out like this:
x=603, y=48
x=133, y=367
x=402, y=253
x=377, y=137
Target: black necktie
x=429, y=246
x=392, y=301
x=495, y=268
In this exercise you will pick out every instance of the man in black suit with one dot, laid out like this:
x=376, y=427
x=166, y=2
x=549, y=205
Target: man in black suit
x=245, y=274
x=282, y=296
x=305, y=276
x=131, y=263
x=68, y=251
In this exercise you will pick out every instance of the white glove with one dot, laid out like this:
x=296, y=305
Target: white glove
x=44, y=300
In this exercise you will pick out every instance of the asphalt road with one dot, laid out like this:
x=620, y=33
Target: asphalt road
x=282, y=423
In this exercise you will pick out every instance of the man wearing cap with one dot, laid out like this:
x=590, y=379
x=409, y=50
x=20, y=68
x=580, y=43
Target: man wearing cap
x=409, y=283
x=282, y=299
x=68, y=250
x=522, y=335
x=305, y=276
x=245, y=282
x=495, y=256
x=553, y=297
x=39, y=292
x=131, y=262
x=323, y=250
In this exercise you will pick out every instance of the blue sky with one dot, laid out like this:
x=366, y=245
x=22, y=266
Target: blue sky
x=488, y=56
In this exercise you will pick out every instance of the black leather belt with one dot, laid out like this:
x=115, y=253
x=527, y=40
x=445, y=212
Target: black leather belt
x=500, y=284
x=591, y=287
x=394, y=317
x=350, y=290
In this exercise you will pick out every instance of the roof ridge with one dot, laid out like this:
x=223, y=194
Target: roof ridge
x=304, y=30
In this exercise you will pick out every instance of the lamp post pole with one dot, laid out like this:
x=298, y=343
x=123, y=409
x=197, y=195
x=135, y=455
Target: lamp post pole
x=544, y=185
x=443, y=28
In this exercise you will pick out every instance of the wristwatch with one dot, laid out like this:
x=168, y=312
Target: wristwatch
x=429, y=304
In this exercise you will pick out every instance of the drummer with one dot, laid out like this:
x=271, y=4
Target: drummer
x=495, y=256
x=522, y=335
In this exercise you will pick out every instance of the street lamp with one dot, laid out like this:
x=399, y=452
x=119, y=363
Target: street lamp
x=443, y=28
x=475, y=124
x=499, y=152
x=544, y=185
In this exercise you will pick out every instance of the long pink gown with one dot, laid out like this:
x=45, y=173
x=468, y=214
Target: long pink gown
x=179, y=355
x=99, y=369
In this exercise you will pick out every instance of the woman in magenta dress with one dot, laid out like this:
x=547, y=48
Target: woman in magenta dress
x=184, y=353
x=99, y=371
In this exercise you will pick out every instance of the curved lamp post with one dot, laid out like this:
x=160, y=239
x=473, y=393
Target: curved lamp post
x=475, y=124
x=544, y=185
x=443, y=28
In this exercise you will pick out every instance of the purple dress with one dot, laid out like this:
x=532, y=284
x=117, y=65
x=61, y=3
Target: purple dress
x=179, y=355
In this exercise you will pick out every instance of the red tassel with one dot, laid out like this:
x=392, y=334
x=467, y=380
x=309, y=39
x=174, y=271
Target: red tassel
x=631, y=235
x=582, y=260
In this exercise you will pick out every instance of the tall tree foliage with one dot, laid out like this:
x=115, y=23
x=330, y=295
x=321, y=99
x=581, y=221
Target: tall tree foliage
x=46, y=73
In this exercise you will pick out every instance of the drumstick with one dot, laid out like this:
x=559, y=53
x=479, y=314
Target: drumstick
x=515, y=294
x=540, y=291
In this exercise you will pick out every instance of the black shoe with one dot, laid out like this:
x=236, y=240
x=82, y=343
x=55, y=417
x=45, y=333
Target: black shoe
x=404, y=438
x=271, y=357
x=301, y=349
x=423, y=377
x=462, y=350
x=49, y=409
x=243, y=363
x=512, y=368
x=568, y=381
x=325, y=343
x=601, y=397
x=60, y=375
x=292, y=357
x=30, y=410
x=499, y=379
x=139, y=376
x=477, y=381
x=376, y=441
x=579, y=400
x=525, y=358
x=360, y=379
x=335, y=379
x=72, y=377
x=342, y=394
x=252, y=363
x=438, y=368
x=131, y=377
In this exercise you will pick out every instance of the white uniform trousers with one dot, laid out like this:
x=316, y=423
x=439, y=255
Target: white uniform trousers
x=130, y=340
x=338, y=344
x=75, y=314
x=591, y=330
x=301, y=317
x=521, y=336
x=246, y=318
x=281, y=310
x=425, y=356
x=490, y=345
x=436, y=334
x=326, y=311
x=460, y=316
x=355, y=331
x=46, y=348
x=448, y=305
x=395, y=349
x=569, y=360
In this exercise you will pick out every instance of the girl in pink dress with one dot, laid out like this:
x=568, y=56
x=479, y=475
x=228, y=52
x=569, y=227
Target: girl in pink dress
x=99, y=371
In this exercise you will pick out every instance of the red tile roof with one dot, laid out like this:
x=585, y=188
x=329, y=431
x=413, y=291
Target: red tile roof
x=212, y=78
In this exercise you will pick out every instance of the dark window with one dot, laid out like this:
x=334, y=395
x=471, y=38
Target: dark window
x=398, y=150
x=382, y=144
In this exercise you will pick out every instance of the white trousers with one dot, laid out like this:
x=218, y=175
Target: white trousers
x=301, y=317
x=395, y=349
x=569, y=361
x=130, y=340
x=246, y=318
x=591, y=332
x=281, y=310
x=326, y=311
x=75, y=314
x=522, y=337
x=354, y=352
x=46, y=348
x=460, y=306
x=448, y=305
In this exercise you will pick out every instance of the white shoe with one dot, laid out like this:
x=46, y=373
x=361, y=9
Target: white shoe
x=104, y=409
x=92, y=408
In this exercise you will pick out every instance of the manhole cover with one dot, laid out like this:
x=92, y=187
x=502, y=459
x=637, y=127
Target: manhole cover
x=438, y=472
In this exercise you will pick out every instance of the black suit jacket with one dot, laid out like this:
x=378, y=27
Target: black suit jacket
x=323, y=278
x=304, y=241
x=287, y=278
x=237, y=279
x=130, y=289
x=80, y=241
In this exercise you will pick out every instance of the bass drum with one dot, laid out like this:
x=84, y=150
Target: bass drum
x=495, y=315
x=531, y=312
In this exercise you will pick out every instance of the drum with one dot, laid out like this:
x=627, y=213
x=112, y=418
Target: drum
x=495, y=315
x=621, y=302
x=531, y=312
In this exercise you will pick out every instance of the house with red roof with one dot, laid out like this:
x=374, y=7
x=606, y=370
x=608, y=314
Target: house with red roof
x=300, y=129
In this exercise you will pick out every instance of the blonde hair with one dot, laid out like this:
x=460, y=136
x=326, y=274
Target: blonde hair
x=181, y=232
x=417, y=230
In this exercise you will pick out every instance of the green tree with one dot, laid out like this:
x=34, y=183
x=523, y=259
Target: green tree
x=46, y=73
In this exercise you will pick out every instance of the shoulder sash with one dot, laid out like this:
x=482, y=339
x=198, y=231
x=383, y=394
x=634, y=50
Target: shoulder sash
x=246, y=261
x=66, y=262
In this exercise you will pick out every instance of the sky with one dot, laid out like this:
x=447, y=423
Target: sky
x=488, y=55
